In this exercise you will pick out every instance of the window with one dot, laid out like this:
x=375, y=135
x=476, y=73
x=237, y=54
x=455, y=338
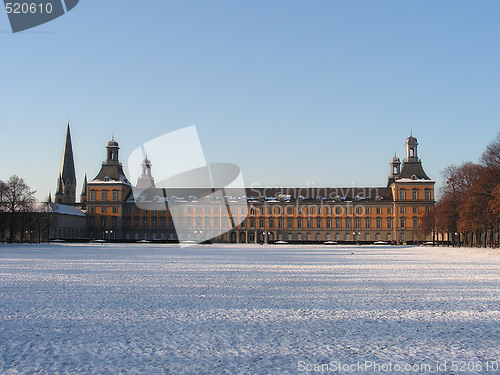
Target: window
x=136, y=222
x=252, y=223
x=348, y=223
x=103, y=210
x=379, y=210
x=127, y=209
x=198, y=210
x=261, y=222
x=115, y=195
x=389, y=210
x=402, y=210
x=327, y=210
x=357, y=223
x=290, y=223
x=299, y=222
x=328, y=222
x=367, y=210
x=415, y=210
x=389, y=223
x=216, y=210
x=378, y=222
x=115, y=210
x=338, y=223
x=338, y=210
x=252, y=212
x=216, y=223
x=114, y=221
x=402, y=223
x=427, y=193
x=198, y=222
x=103, y=221
x=207, y=210
x=104, y=195
x=271, y=223
x=162, y=222
x=402, y=194
x=318, y=222
x=309, y=222
x=358, y=210
x=415, y=222
x=127, y=222
x=92, y=209
x=170, y=222
x=91, y=221
x=189, y=222
x=145, y=222
x=92, y=195
x=243, y=223
x=280, y=222
x=145, y=211
x=414, y=194
x=367, y=223
x=189, y=210
x=289, y=210
x=153, y=222
x=136, y=210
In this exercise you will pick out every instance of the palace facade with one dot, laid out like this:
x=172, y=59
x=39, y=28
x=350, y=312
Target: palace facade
x=392, y=213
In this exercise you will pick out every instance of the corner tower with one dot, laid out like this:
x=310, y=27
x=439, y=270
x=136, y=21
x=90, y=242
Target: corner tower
x=412, y=165
x=106, y=195
x=66, y=184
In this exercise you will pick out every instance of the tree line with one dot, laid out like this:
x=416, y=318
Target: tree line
x=21, y=218
x=468, y=212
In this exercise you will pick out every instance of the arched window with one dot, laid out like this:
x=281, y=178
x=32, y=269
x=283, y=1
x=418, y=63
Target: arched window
x=402, y=194
x=427, y=193
x=367, y=223
x=402, y=223
x=318, y=222
x=415, y=222
x=348, y=223
x=414, y=194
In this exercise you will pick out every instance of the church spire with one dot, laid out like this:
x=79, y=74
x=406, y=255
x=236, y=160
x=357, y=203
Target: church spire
x=67, y=174
x=83, y=195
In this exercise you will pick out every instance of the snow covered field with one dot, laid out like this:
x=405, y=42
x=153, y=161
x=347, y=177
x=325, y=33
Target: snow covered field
x=109, y=309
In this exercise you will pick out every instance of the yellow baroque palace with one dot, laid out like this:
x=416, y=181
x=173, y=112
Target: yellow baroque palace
x=390, y=214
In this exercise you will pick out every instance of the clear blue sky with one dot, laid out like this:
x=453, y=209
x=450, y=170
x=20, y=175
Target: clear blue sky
x=294, y=92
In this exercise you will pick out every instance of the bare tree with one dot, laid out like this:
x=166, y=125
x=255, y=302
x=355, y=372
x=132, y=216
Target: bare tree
x=16, y=197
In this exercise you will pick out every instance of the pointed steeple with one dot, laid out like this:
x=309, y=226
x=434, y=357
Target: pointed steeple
x=49, y=199
x=84, y=188
x=59, y=196
x=67, y=175
x=83, y=195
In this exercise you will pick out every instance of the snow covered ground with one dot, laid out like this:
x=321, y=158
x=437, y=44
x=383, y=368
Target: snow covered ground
x=147, y=309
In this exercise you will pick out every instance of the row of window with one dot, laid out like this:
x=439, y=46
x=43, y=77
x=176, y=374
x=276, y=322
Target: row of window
x=291, y=223
x=414, y=194
x=104, y=195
